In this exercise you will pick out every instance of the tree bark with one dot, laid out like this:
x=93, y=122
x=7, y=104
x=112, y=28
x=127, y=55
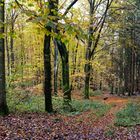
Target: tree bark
x=91, y=50
x=7, y=49
x=3, y=103
x=47, y=72
x=12, y=43
x=47, y=63
x=55, y=69
x=65, y=73
x=75, y=52
x=65, y=62
x=87, y=68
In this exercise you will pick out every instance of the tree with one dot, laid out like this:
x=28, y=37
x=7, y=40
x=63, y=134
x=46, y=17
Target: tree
x=52, y=31
x=125, y=59
x=94, y=34
x=13, y=17
x=64, y=58
x=3, y=104
x=47, y=62
x=56, y=65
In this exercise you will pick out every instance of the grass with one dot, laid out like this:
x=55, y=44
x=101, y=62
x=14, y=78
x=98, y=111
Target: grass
x=79, y=106
x=129, y=116
x=95, y=93
x=24, y=101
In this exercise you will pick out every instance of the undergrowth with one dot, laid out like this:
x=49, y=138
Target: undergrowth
x=129, y=116
x=95, y=93
x=24, y=101
x=97, y=107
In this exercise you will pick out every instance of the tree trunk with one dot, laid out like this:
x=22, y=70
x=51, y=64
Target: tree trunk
x=65, y=73
x=22, y=55
x=112, y=87
x=55, y=69
x=3, y=104
x=12, y=47
x=7, y=50
x=100, y=86
x=87, y=80
x=75, y=51
x=138, y=73
x=47, y=63
x=65, y=62
x=87, y=68
x=47, y=72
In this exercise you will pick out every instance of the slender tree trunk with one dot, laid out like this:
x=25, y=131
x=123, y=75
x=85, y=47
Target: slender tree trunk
x=100, y=86
x=138, y=73
x=22, y=53
x=132, y=64
x=112, y=87
x=12, y=47
x=55, y=69
x=133, y=72
x=91, y=50
x=87, y=68
x=7, y=51
x=75, y=51
x=87, y=80
x=3, y=104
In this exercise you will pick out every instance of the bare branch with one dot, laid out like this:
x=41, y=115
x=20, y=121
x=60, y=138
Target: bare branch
x=102, y=25
x=69, y=7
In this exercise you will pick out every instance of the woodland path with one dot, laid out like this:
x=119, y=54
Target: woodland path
x=108, y=120
x=42, y=126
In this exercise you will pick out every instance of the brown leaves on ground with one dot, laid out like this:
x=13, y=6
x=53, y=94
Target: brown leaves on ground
x=42, y=126
x=48, y=127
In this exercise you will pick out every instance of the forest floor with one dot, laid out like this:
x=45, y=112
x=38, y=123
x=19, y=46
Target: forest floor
x=84, y=126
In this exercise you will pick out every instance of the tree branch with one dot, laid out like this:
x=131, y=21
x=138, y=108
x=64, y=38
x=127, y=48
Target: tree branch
x=69, y=7
x=102, y=25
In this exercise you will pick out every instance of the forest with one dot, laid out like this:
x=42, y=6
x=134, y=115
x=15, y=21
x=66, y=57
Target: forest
x=70, y=69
